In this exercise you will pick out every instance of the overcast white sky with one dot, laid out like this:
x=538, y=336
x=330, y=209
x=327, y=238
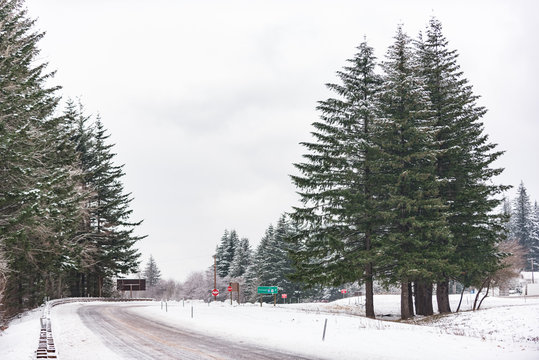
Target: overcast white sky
x=208, y=100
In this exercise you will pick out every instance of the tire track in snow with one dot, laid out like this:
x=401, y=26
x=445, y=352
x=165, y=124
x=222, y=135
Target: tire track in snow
x=138, y=337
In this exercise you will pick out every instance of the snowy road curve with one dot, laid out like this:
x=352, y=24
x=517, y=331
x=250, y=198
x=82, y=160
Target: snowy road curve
x=134, y=336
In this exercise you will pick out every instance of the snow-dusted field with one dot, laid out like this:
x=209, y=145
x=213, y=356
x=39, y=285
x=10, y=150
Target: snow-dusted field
x=507, y=328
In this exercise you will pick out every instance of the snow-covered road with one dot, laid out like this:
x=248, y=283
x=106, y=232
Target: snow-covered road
x=130, y=335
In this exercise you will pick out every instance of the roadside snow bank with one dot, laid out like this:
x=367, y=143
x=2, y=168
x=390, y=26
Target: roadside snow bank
x=20, y=339
x=298, y=328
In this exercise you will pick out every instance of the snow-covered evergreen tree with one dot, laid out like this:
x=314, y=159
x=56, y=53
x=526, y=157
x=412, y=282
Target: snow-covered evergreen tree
x=338, y=224
x=62, y=213
x=220, y=254
x=39, y=202
x=85, y=250
x=264, y=259
x=284, y=265
x=506, y=212
x=251, y=282
x=225, y=252
x=272, y=264
x=524, y=224
x=263, y=271
x=112, y=232
x=463, y=161
x=521, y=215
x=242, y=259
x=411, y=248
x=534, y=237
x=506, y=208
x=152, y=273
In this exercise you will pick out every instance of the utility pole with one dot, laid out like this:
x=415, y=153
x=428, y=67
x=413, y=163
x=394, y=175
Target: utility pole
x=214, y=275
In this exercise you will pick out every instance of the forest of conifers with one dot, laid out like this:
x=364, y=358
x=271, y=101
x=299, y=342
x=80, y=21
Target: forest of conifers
x=64, y=215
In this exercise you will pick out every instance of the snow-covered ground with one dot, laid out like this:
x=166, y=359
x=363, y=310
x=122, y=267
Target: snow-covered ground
x=20, y=339
x=507, y=328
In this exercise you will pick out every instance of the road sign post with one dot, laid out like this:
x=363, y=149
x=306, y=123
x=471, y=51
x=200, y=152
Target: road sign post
x=131, y=285
x=232, y=288
x=236, y=288
x=270, y=290
x=215, y=277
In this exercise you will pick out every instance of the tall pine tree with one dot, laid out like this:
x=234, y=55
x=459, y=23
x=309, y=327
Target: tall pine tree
x=225, y=252
x=152, y=273
x=534, y=243
x=337, y=224
x=462, y=164
x=415, y=219
x=523, y=225
x=105, y=239
x=242, y=259
x=112, y=230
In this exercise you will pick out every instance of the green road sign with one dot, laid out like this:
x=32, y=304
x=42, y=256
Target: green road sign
x=268, y=290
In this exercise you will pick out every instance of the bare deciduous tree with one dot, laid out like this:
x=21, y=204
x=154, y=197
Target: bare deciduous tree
x=512, y=263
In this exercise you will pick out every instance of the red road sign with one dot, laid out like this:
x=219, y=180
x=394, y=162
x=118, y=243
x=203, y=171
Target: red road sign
x=215, y=292
x=229, y=288
x=344, y=291
x=283, y=296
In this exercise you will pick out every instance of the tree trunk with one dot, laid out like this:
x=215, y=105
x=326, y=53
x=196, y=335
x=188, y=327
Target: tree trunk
x=100, y=285
x=442, y=297
x=410, y=299
x=428, y=299
x=59, y=293
x=461, y=295
x=476, y=298
x=48, y=285
x=79, y=285
x=83, y=285
x=479, y=292
x=486, y=294
x=405, y=300
x=423, y=298
x=19, y=293
x=419, y=296
x=369, y=292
